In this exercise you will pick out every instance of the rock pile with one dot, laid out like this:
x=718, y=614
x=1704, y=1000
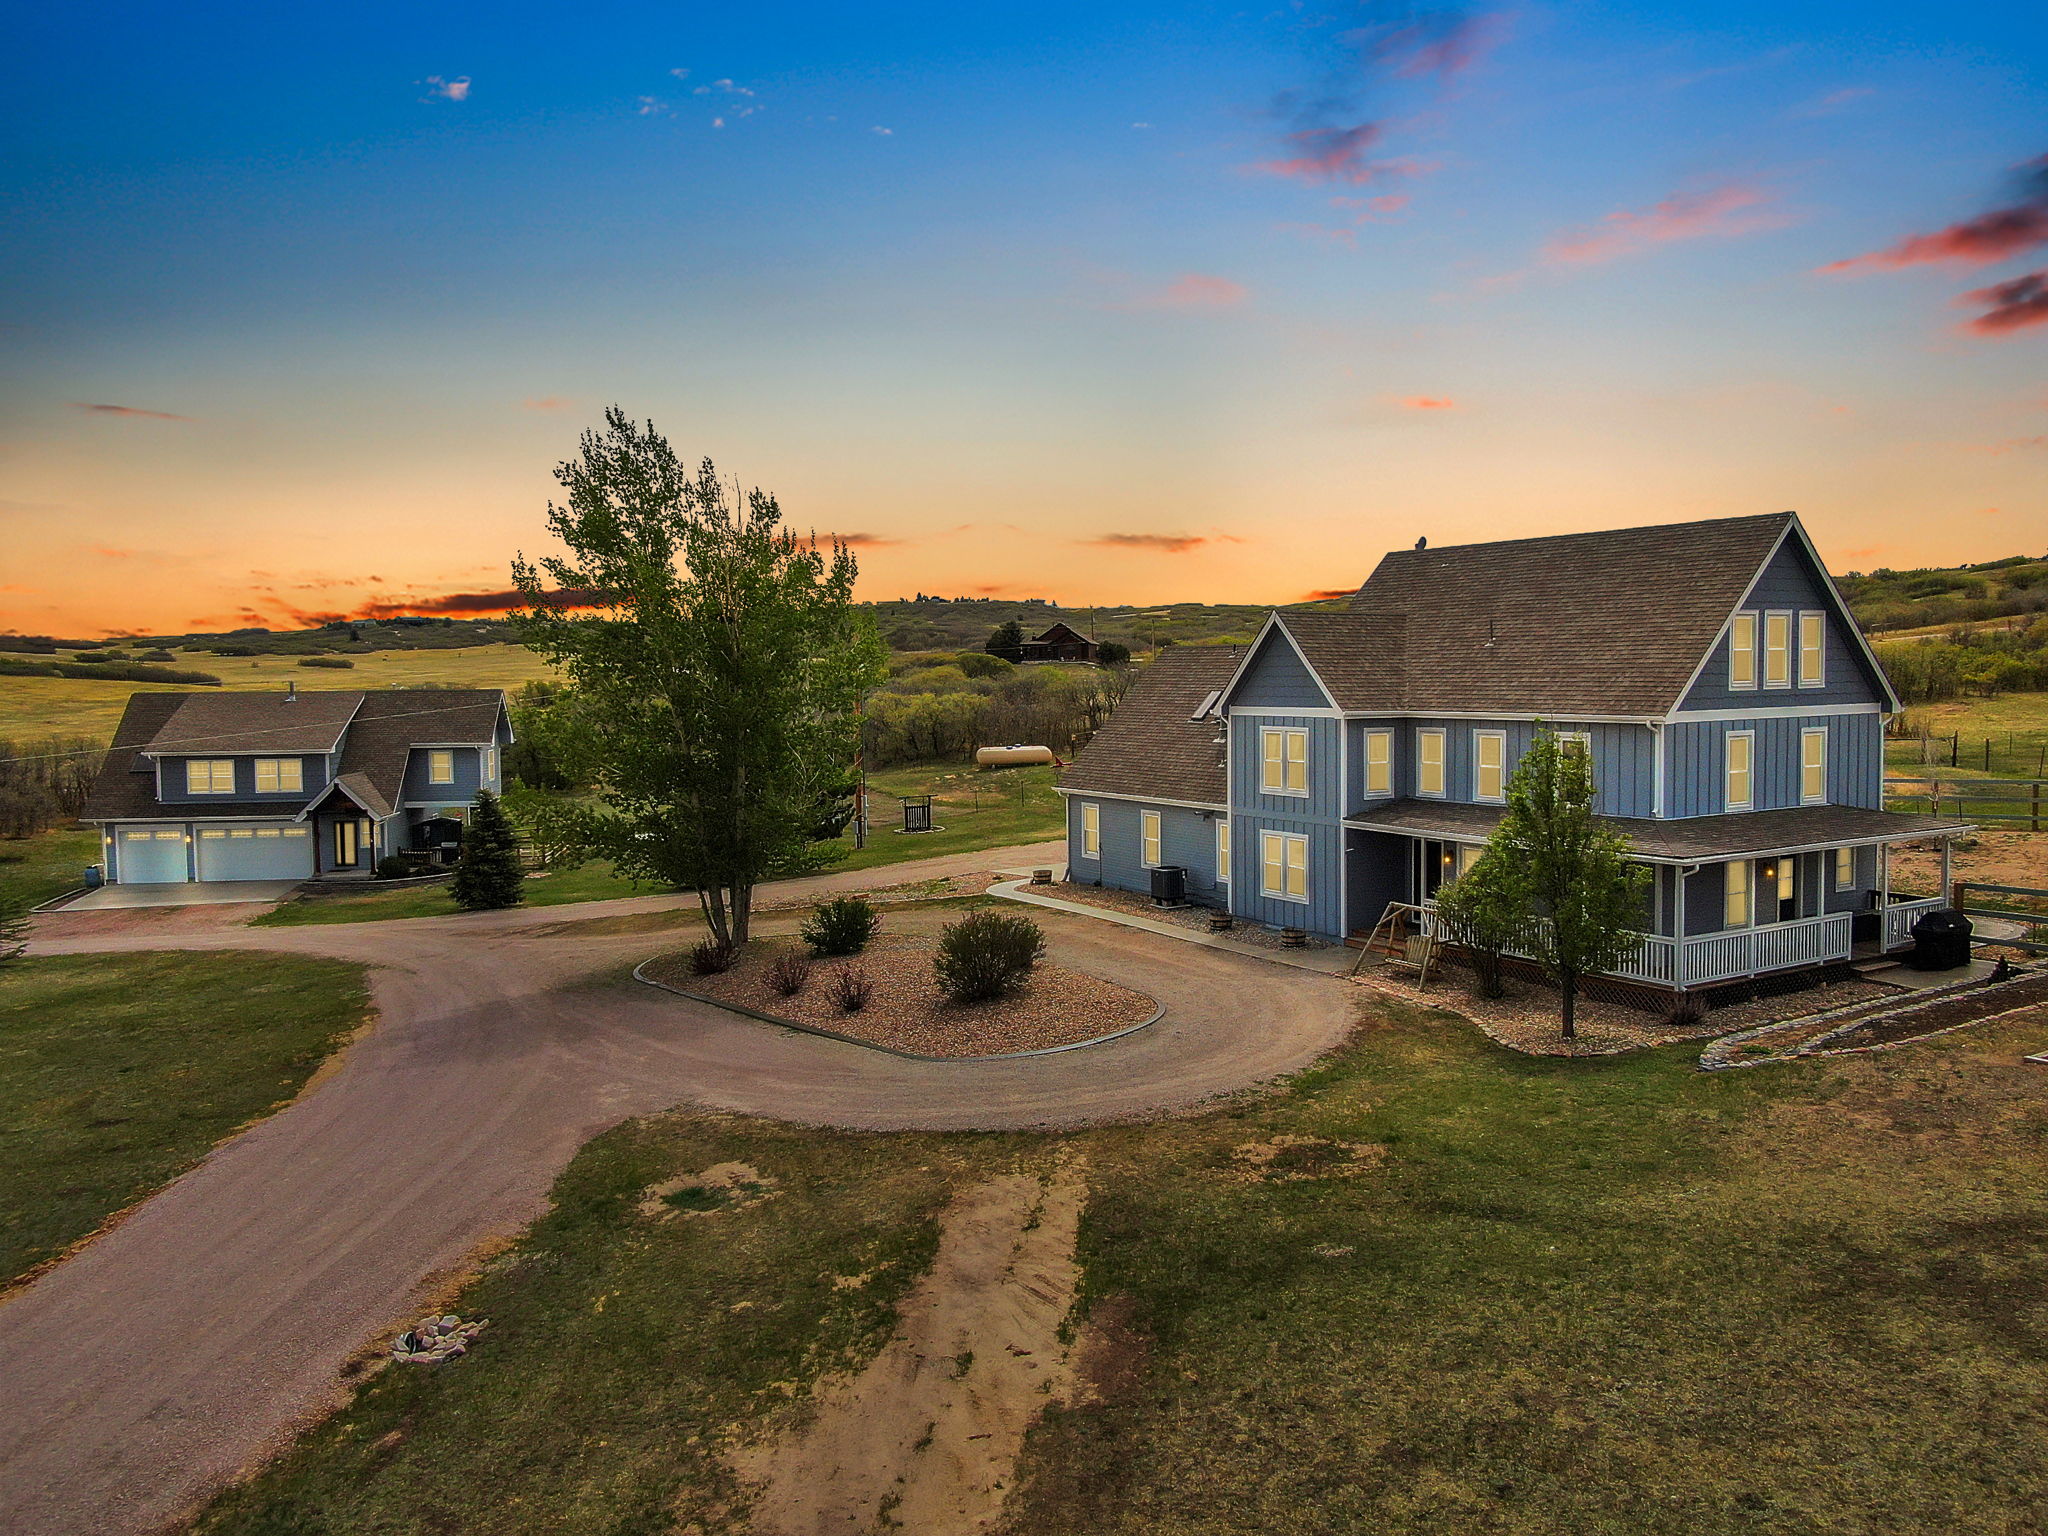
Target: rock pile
x=434, y=1339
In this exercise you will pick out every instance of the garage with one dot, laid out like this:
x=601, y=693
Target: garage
x=150, y=856
x=283, y=851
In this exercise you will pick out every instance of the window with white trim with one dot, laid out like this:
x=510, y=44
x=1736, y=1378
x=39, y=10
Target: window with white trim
x=1739, y=790
x=210, y=776
x=1283, y=866
x=1580, y=742
x=1223, y=850
x=1468, y=855
x=490, y=762
x=1429, y=762
x=1283, y=761
x=1742, y=651
x=279, y=775
x=1813, y=765
x=1845, y=869
x=1148, y=838
x=441, y=766
x=1813, y=649
x=1735, y=905
x=1091, y=831
x=1777, y=650
x=1379, y=762
x=1490, y=766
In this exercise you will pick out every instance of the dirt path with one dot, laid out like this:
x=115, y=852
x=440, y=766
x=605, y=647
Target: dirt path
x=506, y=1040
x=926, y=1438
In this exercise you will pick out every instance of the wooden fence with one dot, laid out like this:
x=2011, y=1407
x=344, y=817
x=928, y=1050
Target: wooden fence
x=2031, y=906
x=2019, y=803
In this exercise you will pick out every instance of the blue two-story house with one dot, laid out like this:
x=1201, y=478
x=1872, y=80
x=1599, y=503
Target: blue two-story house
x=287, y=786
x=1347, y=760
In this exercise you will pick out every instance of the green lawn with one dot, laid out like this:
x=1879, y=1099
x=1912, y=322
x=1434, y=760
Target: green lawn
x=1605, y=1296
x=34, y=869
x=118, y=1072
x=974, y=810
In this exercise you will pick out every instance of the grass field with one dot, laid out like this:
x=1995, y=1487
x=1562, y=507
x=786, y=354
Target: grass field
x=1609, y=1296
x=33, y=869
x=36, y=706
x=118, y=1072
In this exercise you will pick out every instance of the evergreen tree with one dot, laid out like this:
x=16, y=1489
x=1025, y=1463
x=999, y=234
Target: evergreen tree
x=487, y=874
x=1008, y=640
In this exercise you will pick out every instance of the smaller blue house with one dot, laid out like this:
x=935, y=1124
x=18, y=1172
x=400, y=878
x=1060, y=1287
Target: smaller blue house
x=289, y=786
x=1347, y=761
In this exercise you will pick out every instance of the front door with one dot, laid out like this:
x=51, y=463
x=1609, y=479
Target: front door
x=348, y=844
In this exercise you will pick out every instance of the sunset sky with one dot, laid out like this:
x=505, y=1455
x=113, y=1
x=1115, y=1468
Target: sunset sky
x=301, y=305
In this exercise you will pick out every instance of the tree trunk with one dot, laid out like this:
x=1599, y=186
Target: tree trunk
x=712, y=899
x=742, y=911
x=1570, y=988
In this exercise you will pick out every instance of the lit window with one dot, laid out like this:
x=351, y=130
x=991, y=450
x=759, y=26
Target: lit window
x=1489, y=765
x=1091, y=831
x=210, y=776
x=1813, y=766
x=1736, y=913
x=1283, y=866
x=1777, y=650
x=1741, y=749
x=1742, y=651
x=1148, y=835
x=1284, y=762
x=1813, y=650
x=1580, y=742
x=440, y=766
x=1429, y=762
x=1379, y=762
x=1845, y=869
x=1468, y=855
x=279, y=775
x=1223, y=850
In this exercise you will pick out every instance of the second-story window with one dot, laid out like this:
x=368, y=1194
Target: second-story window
x=1379, y=762
x=1813, y=766
x=440, y=766
x=1813, y=650
x=210, y=776
x=1777, y=650
x=1283, y=766
x=1429, y=762
x=1742, y=651
x=279, y=775
x=1489, y=765
x=1740, y=792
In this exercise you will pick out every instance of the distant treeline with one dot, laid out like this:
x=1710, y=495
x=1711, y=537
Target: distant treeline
x=116, y=671
x=1889, y=600
x=2003, y=659
x=45, y=780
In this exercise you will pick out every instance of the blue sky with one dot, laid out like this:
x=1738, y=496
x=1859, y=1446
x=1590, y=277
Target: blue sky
x=1135, y=302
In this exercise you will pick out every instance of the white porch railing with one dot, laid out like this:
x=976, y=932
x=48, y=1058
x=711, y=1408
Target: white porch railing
x=1900, y=917
x=1711, y=957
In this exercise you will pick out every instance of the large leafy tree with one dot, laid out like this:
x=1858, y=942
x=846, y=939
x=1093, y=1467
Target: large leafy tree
x=717, y=672
x=1584, y=901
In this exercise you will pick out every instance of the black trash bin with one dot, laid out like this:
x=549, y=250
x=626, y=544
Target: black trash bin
x=1170, y=885
x=1941, y=941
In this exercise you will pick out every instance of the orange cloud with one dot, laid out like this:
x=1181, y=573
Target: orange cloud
x=127, y=410
x=1327, y=593
x=2017, y=305
x=860, y=540
x=1719, y=212
x=113, y=554
x=1162, y=543
x=1196, y=290
x=1330, y=154
x=1428, y=403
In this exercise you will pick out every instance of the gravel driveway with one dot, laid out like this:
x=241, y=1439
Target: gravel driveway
x=196, y=1336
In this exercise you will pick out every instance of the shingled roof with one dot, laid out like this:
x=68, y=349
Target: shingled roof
x=256, y=721
x=1359, y=656
x=390, y=722
x=1609, y=623
x=1151, y=745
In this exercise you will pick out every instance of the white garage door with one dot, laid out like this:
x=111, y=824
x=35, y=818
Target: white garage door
x=255, y=853
x=150, y=856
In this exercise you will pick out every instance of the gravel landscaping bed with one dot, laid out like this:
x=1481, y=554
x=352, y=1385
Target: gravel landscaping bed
x=908, y=1012
x=1194, y=918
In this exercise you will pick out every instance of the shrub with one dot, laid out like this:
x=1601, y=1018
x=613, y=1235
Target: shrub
x=158, y=656
x=841, y=926
x=788, y=972
x=711, y=957
x=852, y=988
x=1686, y=1013
x=392, y=867
x=325, y=661
x=986, y=955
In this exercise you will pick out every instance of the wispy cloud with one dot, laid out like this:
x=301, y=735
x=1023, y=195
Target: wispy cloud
x=2017, y=305
x=1428, y=403
x=547, y=403
x=651, y=106
x=438, y=89
x=1192, y=290
x=1733, y=208
x=887, y=133
x=127, y=410
x=1159, y=543
x=1324, y=594
x=1833, y=102
x=859, y=540
x=1978, y=242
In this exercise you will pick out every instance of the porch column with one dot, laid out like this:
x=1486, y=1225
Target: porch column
x=1884, y=876
x=1678, y=928
x=1947, y=871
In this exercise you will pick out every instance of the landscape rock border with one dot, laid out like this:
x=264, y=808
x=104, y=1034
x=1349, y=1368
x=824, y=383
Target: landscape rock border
x=1720, y=1055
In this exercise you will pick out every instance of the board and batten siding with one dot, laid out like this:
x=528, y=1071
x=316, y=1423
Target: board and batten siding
x=1322, y=912
x=1696, y=762
x=1276, y=678
x=1789, y=583
x=468, y=777
x=1624, y=759
x=1247, y=746
x=1186, y=837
